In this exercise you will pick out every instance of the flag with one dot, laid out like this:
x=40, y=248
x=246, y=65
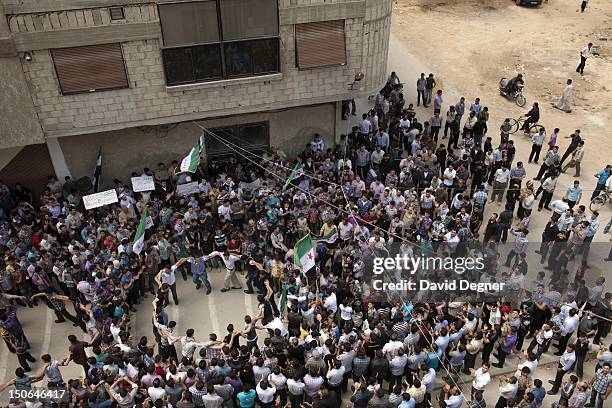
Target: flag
x=283, y=298
x=304, y=254
x=191, y=161
x=296, y=173
x=330, y=237
x=139, y=238
x=95, y=180
x=149, y=221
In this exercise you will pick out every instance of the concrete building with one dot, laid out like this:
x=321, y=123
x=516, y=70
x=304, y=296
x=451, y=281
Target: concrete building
x=131, y=76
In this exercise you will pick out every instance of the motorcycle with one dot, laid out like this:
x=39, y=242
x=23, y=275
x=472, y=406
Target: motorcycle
x=517, y=95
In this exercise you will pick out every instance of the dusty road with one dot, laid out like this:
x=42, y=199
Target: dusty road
x=470, y=44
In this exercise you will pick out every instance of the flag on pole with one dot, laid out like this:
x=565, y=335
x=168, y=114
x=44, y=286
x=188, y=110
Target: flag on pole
x=139, y=238
x=304, y=254
x=296, y=173
x=95, y=180
x=283, y=298
x=191, y=161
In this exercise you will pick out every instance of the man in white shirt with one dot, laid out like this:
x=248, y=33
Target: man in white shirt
x=397, y=366
x=584, y=54
x=225, y=211
x=531, y=363
x=335, y=376
x=345, y=229
x=453, y=398
x=265, y=393
x=331, y=302
x=500, y=182
x=448, y=178
x=346, y=312
x=189, y=344
x=428, y=380
x=481, y=378
x=559, y=206
x=156, y=391
x=392, y=345
x=507, y=390
x=168, y=276
x=570, y=324
x=566, y=363
x=548, y=189
x=230, y=265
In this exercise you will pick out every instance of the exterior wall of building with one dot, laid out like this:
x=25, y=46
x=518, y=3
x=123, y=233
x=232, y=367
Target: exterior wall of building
x=130, y=150
x=297, y=103
x=149, y=101
x=18, y=121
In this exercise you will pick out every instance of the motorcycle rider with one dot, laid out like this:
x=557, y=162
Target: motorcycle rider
x=512, y=86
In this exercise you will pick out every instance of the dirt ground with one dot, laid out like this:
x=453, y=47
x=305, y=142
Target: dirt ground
x=473, y=43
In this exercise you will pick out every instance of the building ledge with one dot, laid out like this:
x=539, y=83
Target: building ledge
x=224, y=83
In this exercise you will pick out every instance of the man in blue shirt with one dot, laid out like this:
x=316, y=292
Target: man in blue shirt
x=574, y=193
x=246, y=398
x=602, y=177
x=198, y=270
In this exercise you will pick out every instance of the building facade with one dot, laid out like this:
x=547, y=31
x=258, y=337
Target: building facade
x=132, y=76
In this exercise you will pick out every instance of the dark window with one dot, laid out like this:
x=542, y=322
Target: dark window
x=219, y=39
x=178, y=65
x=262, y=49
x=254, y=137
x=207, y=62
x=116, y=13
x=191, y=64
x=90, y=68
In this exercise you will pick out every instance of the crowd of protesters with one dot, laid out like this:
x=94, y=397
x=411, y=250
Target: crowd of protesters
x=393, y=180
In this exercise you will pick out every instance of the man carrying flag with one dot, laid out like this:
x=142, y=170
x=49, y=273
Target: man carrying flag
x=329, y=235
x=145, y=222
x=190, y=163
x=296, y=173
x=304, y=254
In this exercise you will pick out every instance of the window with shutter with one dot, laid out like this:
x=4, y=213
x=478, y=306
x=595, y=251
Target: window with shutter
x=320, y=44
x=90, y=68
x=116, y=13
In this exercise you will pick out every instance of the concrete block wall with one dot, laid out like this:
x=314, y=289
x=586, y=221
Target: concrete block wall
x=149, y=102
x=375, y=44
x=70, y=19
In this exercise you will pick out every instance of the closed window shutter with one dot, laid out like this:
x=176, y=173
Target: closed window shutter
x=320, y=44
x=90, y=68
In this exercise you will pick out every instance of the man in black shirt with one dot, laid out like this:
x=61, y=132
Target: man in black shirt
x=505, y=221
x=573, y=145
x=548, y=236
x=532, y=117
x=492, y=230
x=327, y=399
x=581, y=348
